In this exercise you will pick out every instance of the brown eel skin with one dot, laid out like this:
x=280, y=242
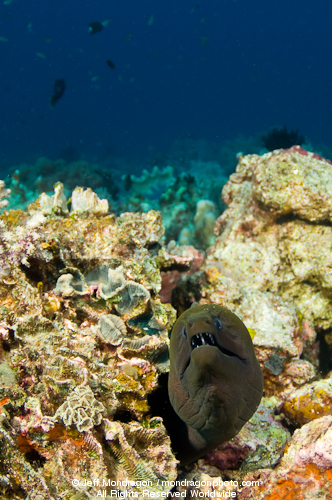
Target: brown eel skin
x=215, y=382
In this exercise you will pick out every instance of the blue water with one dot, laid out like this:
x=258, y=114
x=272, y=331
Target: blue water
x=212, y=69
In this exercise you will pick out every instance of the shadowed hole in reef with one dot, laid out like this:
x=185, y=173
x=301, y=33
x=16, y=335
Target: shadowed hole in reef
x=38, y=271
x=81, y=316
x=7, y=344
x=34, y=273
x=160, y=406
x=124, y=416
x=35, y=458
x=325, y=353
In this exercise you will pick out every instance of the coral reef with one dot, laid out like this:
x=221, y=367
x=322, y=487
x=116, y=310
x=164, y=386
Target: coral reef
x=267, y=238
x=304, y=471
x=176, y=196
x=85, y=317
x=84, y=336
x=268, y=265
x=87, y=201
x=142, y=463
x=183, y=200
x=175, y=256
x=28, y=181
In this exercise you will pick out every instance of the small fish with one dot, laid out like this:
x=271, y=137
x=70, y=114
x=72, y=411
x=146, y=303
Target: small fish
x=151, y=20
x=8, y=2
x=97, y=26
x=59, y=87
x=204, y=40
x=110, y=64
x=41, y=55
x=3, y=39
x=128, y=37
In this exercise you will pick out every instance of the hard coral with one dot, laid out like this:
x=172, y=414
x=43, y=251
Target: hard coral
x=150, y=183
x=81, y=409
x=4, y=193
x=112, y=329
x=142, y=451
x=86, y=201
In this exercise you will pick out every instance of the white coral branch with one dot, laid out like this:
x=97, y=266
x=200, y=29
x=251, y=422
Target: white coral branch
x=4, y=193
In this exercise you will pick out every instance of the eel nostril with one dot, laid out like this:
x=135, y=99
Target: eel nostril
x=217, y=323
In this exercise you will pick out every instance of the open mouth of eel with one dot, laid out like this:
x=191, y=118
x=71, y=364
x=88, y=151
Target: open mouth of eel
x=204, y=339
x=201, y=339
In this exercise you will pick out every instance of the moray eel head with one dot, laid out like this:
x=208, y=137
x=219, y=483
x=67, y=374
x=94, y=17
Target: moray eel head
x=215, y=381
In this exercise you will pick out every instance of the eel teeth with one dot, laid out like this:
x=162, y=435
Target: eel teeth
x=202, y=339
x=208, y=339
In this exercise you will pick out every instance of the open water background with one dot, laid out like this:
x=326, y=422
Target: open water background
x=212, y=69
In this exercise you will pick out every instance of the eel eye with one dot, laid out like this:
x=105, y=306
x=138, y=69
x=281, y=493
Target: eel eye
x=217, y=324
x=184, y=332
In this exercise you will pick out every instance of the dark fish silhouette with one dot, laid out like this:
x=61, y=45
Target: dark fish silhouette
x=95, y=27
x=59, y=87
x=215, y=382
x=110, y=64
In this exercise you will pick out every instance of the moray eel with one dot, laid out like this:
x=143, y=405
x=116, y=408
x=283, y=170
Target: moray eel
x=215, y=382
